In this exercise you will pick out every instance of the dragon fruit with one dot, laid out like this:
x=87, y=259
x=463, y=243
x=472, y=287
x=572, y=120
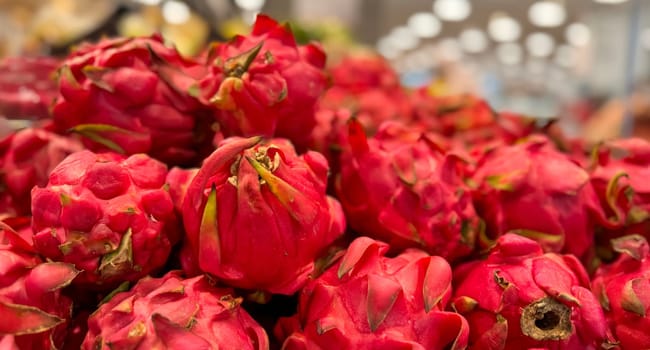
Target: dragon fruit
x=26, y=159
x=624, y=292
x=27, y=86
x=370, y=301
x=620, y=178
x=521, y=298
x=110, y=216
x=264, y=84
x=532, y=177
x=255, y=201
x=34, y=312
x=133, y=96
x=398, y=187
x=174, y=313
x=179, y=180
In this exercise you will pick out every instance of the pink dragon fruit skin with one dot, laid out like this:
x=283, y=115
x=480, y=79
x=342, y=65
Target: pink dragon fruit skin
x=34, y=312
x=255, y=201
x=133, y=96
x=179, y=180
x=26, y=159
x=369, y=301
x=398, y=187
x=173, y=313
x=521, y=298
x=110, y=216
x=264, y=84
x=623, y=288
x=27, y=86
x=620, y=177
x=531, y=177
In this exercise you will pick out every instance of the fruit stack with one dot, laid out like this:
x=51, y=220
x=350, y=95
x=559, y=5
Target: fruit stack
x=255, y=198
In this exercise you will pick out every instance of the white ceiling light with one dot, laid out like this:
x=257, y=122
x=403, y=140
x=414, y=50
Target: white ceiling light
x=403, y=38
x=473, y=40
x=503, y=28
x=175, y=12
x=547, y=13
x=540, y=44
x=578, y=34
x=424, y=24
x=250, y=5
x=386, y=48
x=565, y=56
x=645, y=38
x=452, y=10
x=610, y=1
x=509, y=53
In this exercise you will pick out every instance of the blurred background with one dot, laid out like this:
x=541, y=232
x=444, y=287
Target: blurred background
x=587, y=61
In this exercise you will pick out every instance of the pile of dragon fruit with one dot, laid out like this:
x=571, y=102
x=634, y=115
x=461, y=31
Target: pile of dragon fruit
x=254, y=197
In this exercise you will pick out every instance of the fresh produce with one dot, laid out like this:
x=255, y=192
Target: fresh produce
x=533, y=177
x=160, y=201
x=623, y=289
x=264, y=84
x=258, y=201
x=398, y=187
x=370, y=301
x=27, y=157
x=34, y=312
x=110, y=216
x=173, y=313
x=133, y=96
x=521, y=298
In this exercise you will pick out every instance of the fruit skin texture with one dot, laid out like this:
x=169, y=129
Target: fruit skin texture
x=400, y=188
x=623, y=288
x=620, y=177
x=173, y=313
x=254, y=202
x=369, y=301
x=26, y=159
x=520, y=298
x=132, y=96
x=532, y=177
x=27, y=86
x=110, y=216
x=179, y=180
x=264, y=84
x=34, y=312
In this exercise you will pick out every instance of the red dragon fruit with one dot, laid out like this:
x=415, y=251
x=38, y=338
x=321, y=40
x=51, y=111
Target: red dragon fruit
x=174, y=313
x=179, y=180
x=534, y=190
x=27, y=86
x=521, y=298
x=264, y=84
x=133, y=96
x=255, y=201
x=398, y=187
x=624, y=292
x=451, y=115
x=26, y=159
x=111, y=217
x=370, y=301
x=620, y=178
x=34, y=312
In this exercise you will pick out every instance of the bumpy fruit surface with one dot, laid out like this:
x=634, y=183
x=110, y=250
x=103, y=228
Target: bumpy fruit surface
x=254, y=205
x=400, y=188
x=27, y=86
x=370, y=301
x=174, y=313
x=534, y=190
x=34, y=312
x=132, y=96
x=26, y=159
x=624, y=292
x=264, y=84
x=521, y=298
x=110, y=216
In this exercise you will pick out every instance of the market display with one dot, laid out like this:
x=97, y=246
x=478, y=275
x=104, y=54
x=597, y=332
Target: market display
x=257, y=196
